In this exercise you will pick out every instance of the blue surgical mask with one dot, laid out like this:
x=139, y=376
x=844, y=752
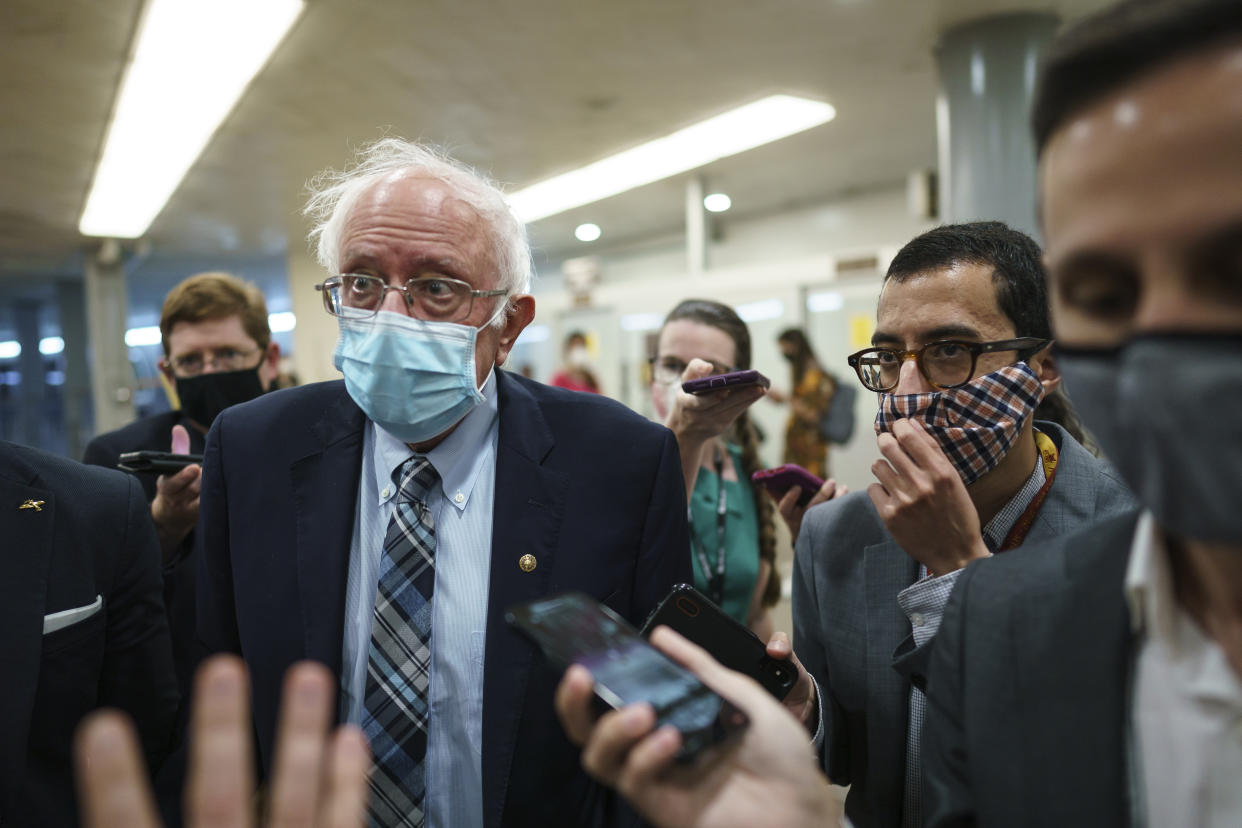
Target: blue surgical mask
x=413, y=378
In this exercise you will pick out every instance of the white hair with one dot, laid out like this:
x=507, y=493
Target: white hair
x=333, y=194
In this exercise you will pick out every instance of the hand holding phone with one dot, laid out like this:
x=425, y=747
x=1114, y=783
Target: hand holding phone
x=156, y=462
x=722, y=382
x=697, y=618
x=575, y=629
x=781, y=479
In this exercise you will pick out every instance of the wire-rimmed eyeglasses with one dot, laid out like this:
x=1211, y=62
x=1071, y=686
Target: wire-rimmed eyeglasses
x=946, y=363
x=431, y=297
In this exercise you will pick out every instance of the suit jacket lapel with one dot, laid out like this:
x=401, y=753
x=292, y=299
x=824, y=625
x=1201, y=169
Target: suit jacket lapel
x=325, y=485
x=888, y=570
x=526, y=520
x=27, y=554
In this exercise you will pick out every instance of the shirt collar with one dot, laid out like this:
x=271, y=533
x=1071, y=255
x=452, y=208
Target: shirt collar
x=458, y=459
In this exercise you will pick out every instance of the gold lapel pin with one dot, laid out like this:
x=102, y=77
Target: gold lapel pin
x=37, y=505
x=527, y=563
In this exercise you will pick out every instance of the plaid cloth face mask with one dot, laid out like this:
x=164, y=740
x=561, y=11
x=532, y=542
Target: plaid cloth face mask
x=976, y=423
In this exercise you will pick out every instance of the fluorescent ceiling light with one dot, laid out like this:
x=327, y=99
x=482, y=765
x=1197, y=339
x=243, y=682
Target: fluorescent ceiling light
x=735, y=131
x=192, y=61
x=281, y=321
x=717, y=203
x=641, y=321
x=825, y=301
x=587, y=232
x=50, y=345
x=136, y=337
x=759, y=311
x=10, y=349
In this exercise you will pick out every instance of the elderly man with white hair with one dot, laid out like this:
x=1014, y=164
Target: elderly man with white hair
x=383, y=524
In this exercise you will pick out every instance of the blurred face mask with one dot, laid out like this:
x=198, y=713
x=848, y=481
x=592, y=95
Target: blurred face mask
x=413, y=378
x=579, y=357
x=203, y=397
x=1167, y=412
x=976, y=423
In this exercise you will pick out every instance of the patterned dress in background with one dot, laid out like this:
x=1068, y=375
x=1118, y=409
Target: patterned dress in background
x=803, y=443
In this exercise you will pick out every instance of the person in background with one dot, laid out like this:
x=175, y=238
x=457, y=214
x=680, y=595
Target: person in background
x=576, y=375
x=812, y=389
x=83, y=625
x=218, y=351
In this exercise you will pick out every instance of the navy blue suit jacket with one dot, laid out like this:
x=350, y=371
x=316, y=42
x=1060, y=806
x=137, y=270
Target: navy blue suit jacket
x=83, y=551
x=589, y=488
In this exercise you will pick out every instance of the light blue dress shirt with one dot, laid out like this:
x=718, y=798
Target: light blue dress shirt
x=462, y=507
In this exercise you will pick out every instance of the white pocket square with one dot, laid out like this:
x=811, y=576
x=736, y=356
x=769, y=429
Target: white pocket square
x=67, y=618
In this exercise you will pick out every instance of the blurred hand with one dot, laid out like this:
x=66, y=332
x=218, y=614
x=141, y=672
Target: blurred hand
x=792, y=512
x=801, y=701
x=768, y=777
x=175, y=508
x=705, y=416
x=923, y=501
x=317, y=779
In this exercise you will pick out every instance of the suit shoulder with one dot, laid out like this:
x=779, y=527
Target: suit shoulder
x=87, y=486
x=144, y=434
x=853, y=514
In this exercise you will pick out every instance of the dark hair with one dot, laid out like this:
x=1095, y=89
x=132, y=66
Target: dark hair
x=1109, y=49
x=723, y=318
x=572, y=335
x=207, y=296
x=1015, y=259
x=803, y=356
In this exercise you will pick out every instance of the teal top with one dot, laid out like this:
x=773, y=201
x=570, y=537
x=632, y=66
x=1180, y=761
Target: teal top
x=741, y=536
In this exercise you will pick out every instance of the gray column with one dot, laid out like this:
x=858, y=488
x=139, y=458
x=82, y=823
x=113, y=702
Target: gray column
x=107, y=312
x=696, y=227
x=987, y=79
x=30, y=363
x=71, y=306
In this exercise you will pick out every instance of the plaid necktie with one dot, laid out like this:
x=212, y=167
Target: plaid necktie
x=396, y=707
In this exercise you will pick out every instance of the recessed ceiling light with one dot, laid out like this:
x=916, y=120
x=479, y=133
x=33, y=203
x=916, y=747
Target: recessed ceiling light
x=737, y=130
x=717, y=203
x=587, y=232
x=191, y=62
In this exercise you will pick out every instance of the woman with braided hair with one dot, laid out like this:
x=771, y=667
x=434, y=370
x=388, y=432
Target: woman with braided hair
x=732, y=528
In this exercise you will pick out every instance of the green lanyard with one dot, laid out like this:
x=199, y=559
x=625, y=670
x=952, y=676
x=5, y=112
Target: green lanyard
x=715, y=578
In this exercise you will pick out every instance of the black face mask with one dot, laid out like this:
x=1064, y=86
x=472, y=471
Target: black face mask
x=205, y=396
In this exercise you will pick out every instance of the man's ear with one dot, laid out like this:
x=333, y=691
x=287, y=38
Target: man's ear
x=521, y=312
x=165, y=369
x=1044, y=364
x=270, y=365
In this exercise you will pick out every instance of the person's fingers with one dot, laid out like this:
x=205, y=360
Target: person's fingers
x=788, y=504
x=174, y=485
x=647, y=761
x=918, y=444
x=779, y=646
x=895, y=453
x=180, y=440
x=346, y=791
x=305, y=714
x=741, y=690
x=696, y=369
x=220, y=783
x=613, y=737
x=825, y=493
x=841, y=491
x=881, y=499
x=111, y=778
x=887, y=477
x=573, y=703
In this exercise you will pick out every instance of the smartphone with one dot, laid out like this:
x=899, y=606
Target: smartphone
x=696, y=617
x=719, y=382
x=575, y=629
x=783, y=478
x=156, y=462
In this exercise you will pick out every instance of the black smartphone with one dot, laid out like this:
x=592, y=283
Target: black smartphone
x=696, y=617
x=719, y=382
x=156, y=462
x=576, y=629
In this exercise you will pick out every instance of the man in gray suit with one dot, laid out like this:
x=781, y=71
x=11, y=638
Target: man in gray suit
x=960, y=362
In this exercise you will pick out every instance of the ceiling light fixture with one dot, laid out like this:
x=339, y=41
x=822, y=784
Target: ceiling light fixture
x=587, y=232
x=191, y=62
x=717, y=203
x=737, y=130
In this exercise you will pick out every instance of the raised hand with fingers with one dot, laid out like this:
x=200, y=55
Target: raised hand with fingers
x=793, y=513
x=319, y=779
x=769, y=777
x=923, y=502
x=175, y=508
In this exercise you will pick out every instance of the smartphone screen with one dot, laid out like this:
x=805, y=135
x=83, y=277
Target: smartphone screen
x=574, y=628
